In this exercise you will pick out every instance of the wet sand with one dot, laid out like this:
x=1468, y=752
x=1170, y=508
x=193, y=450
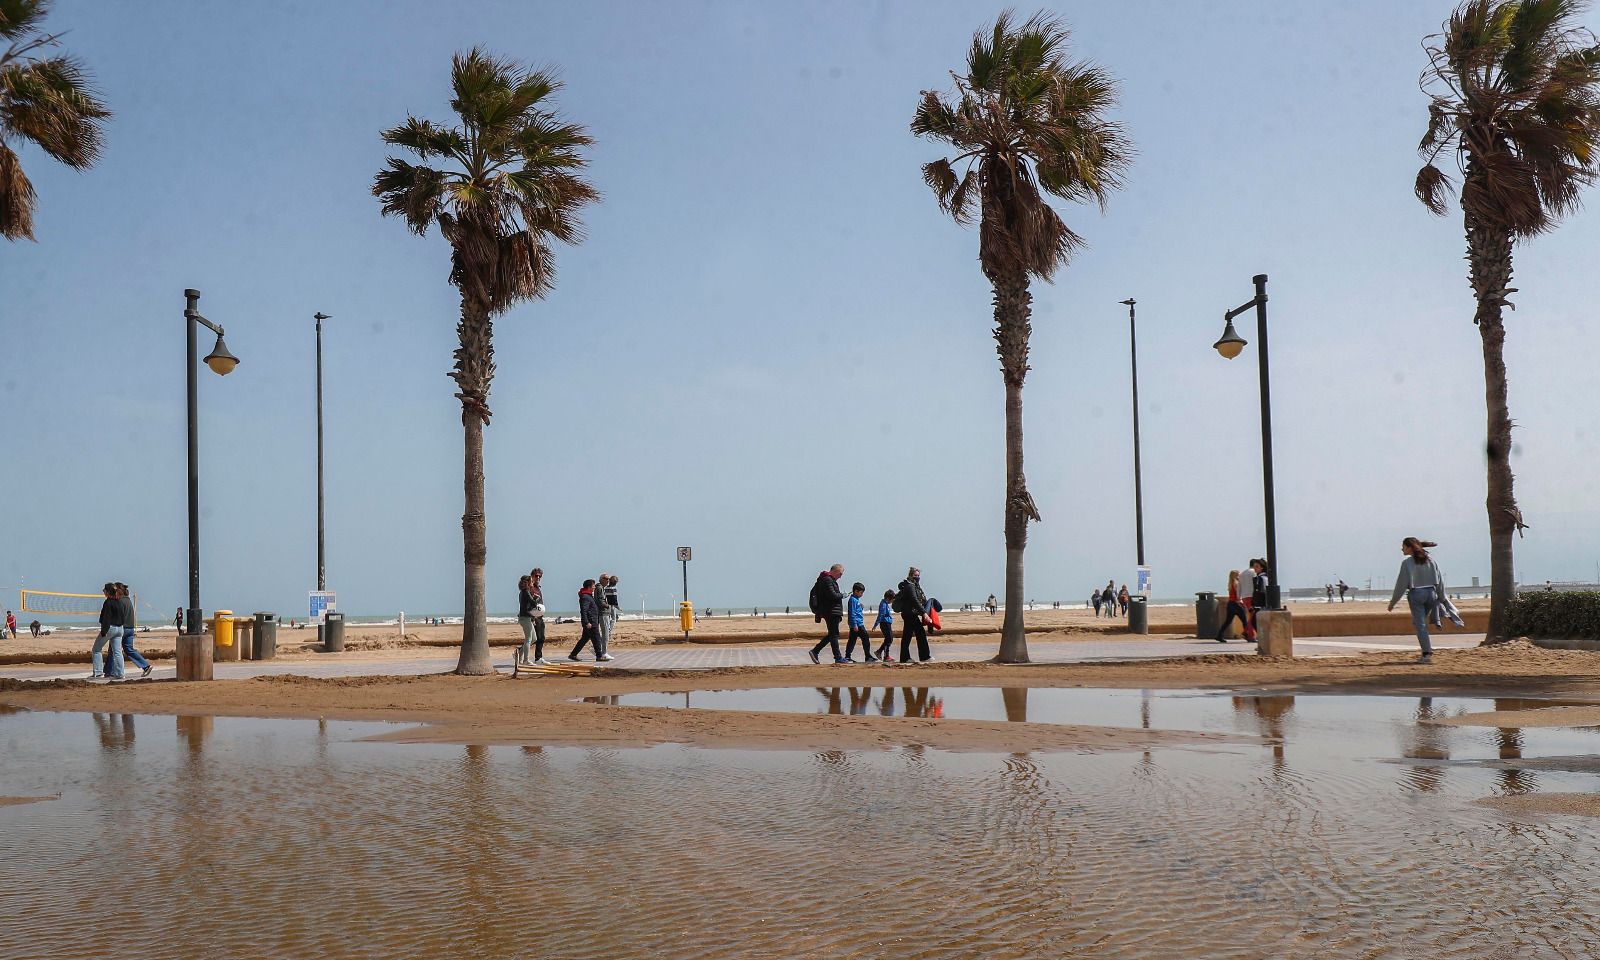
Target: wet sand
x=540, y=710
x=1568, y=804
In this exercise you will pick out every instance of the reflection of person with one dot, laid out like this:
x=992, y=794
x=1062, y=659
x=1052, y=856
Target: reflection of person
x=1236, y=608
x=885, y=622
x=1422, y=584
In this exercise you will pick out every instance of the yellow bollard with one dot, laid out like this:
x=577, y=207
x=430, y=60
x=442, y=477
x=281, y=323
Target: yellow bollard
x=686, y=615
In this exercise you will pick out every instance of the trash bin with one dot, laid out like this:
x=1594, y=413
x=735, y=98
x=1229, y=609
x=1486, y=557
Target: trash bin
x=332, y=631
x=1138, y=614
x=223, y=647
x=266, y=636
x=244, y=638
x=1205, y=614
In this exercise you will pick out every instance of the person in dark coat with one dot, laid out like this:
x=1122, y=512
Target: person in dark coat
x=589, y=617
x=914, y=605
x=827, y=605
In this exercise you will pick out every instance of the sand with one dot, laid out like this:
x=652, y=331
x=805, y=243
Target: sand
x=539, y=710
x=1570, y=804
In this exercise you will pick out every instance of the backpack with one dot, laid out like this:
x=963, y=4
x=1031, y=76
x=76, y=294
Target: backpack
x=819, y=600
x=899, y=604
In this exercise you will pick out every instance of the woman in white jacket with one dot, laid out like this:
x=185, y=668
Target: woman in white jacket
x=1421, y=583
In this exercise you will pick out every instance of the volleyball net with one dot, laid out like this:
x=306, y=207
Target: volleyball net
x=49, y=602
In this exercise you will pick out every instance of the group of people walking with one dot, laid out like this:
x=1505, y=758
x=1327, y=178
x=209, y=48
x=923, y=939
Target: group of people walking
x=1109, y=600
x=1244, y=599
x=830, y=606
x=117, y=624
x=598, y=612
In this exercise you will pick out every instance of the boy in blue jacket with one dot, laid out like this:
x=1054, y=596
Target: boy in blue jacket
x=858, y=626
x=885, y=622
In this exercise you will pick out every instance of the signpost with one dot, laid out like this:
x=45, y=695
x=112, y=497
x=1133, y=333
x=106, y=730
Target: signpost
x=685, y=611
x=322, y=603
x=1144, y=582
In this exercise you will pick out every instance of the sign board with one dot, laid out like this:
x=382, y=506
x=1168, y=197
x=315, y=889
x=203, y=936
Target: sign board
x=322, y=603
x=1144, y=582
x=685, y=554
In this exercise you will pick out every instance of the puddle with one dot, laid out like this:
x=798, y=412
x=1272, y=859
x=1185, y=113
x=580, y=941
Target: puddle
x=1354, y=832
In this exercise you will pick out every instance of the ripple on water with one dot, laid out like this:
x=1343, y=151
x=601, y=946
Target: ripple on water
x=288, y=838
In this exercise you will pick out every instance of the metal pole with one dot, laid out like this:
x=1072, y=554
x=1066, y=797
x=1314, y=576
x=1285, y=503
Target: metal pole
x=685, y=593
x=1274, y=594
x=191, y=623
x=322, y=557
x=1138, y=491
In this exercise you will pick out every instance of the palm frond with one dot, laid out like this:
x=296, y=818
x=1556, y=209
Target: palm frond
x=16, y=198
x=18, y=18
x=51, y=103
x=427, y=139
x=1434, y=189
x=413, y=193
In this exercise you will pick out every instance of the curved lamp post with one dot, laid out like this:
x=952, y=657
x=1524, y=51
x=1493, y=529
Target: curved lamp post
x=1231, y=345
x=197, y=666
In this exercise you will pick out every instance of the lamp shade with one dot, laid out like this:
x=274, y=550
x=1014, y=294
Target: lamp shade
x=1231, y=344
x=220, y=360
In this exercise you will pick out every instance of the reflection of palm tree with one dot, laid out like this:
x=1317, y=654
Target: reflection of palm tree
x=1269, y=712
x=1514, y=779
x=1016, y=703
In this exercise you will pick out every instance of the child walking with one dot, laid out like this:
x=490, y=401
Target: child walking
x=885, y=622
x=858, y=625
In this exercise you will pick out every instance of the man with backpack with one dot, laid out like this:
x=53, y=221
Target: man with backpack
x=827, y=605
x=913, y=604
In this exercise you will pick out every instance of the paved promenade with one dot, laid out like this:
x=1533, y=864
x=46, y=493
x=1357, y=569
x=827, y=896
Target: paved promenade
x=757, y=655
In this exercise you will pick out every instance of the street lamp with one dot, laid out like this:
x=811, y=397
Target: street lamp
x=322, y=556
x=1138, y=614
x=196, y=665
x=1231, y=345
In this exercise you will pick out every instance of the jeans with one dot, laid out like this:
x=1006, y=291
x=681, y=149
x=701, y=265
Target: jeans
x=133, y=656
x=858, y=632
x=888, y=641
x=532, y=637
x=608, y=617
x=914, y=628
x=832, y=639
x=1422, y=600
x=113, y=663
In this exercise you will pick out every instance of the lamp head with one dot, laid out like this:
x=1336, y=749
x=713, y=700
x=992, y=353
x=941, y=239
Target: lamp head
x=220, y=360
x=1231, y=344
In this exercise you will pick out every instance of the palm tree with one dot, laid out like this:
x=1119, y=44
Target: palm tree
x=1512, y=87
x=45, y=100
x=1024, y=119
x=507, y=183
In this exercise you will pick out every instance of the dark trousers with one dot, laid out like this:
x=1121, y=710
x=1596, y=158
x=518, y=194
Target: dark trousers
x=888, y=641
x=831, y=640
x=591, y=635
x=858, y=633
x=1237, y=609
x=914, y=628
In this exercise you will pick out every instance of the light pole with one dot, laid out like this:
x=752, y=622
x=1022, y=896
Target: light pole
x=1138, y=614
x=221, y=363
x=322, y=556
x=1230, y=346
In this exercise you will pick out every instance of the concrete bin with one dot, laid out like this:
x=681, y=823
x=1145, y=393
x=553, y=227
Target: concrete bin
x=266, y=645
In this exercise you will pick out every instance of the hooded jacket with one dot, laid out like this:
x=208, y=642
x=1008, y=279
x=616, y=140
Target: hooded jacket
x=588, y=610
x=833, y=597
x=912, y=599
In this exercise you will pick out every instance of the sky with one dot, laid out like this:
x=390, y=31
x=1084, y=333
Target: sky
x=771, y=346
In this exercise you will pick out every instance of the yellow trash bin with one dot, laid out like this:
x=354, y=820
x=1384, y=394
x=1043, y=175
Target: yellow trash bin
x=222, y=628
x=686, y=615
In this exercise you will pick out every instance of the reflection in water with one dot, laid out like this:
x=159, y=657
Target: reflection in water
x=1269, y=712
x=195, y=730
x=1424, y=740
x=1509, y=742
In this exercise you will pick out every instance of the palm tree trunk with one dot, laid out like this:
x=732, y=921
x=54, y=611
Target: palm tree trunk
x=1012, y=310
x=473, y=372
x=1489, y=257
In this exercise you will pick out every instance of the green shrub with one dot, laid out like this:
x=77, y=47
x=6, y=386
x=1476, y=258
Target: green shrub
x=1543, y=614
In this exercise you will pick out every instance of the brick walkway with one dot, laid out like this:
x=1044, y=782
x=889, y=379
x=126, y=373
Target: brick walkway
x=708, y=657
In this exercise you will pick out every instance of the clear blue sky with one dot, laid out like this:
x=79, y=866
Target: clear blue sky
x=772, y=346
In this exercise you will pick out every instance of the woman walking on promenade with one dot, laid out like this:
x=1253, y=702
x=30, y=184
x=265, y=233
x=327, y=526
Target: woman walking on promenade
x=130, y=622
x=1122, y=599
x=914, y=604
x=530, y=610
x=1421, y=583
x=1236, y=608
x=110, y=633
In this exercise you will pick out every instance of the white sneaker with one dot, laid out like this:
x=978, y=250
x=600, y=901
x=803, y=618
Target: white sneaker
x=605, y=657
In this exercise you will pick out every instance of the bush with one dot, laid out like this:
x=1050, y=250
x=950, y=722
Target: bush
x=1556, y=616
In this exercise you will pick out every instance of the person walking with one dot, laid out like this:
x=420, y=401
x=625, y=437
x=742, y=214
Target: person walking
x=827, y=606
x=33, y=628
x=1253, y=590
x=1094, y=598
x=1343, y=589
x=1422, y=584
x=990, y=603
x=177, y=621
x=885, y=623
x=1108, y=599
x=1236, y=608
x=858, y=625
x=588, y=619
x=110, y=633
x=913, y=603
x=129, y=622
x=1122, y=599
x=601, y=583
x=11, y=624
x=528, y=609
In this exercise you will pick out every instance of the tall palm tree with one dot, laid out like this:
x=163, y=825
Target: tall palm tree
x=1514, y=98
x=45, y=100
x=1023, y=119
x=508, y=181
